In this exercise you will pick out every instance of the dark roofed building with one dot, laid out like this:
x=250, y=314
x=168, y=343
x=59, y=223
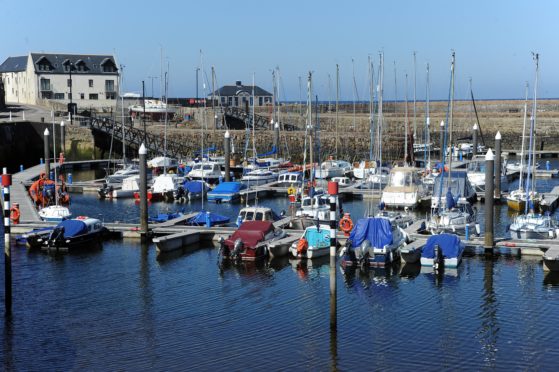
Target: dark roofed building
x=238, y=95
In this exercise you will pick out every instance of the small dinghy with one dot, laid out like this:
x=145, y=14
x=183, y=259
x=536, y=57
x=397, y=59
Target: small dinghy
x=443, y=250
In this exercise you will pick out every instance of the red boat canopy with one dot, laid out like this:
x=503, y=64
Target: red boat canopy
x=251, y=233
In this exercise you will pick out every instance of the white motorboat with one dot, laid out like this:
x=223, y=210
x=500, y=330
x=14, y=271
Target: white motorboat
x=259, y=177
x=374, y=242
x=404, y=189
x=379, y=178
x=153, y=108
x=162, y=162
x=256, y=213
x=315, y=242
x=332, y=168
x=551, y=260
x=164, y=187
x=534, y=226
x=290, y=179
x=442, y=250
x=364, y=169
x=316, y=208
x=342, y=181
x=54, y=213
x=208, y=171
x=117, y=177
x=458, y=219
x=476, y=174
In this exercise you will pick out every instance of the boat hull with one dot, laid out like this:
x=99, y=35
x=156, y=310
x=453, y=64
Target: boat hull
x=551, y=263
x=451, y=262
x=310, y=252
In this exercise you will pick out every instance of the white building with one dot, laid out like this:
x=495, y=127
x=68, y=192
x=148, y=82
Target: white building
x=238, y=95
x=90, y=81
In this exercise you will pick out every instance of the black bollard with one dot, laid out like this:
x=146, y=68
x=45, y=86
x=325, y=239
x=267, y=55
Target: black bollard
x=227, y=153
x=143, y=191
x=6, y=183
x=333, y=191
x=489, y=201
x=498, y=170
x=474, y=144
x=47, y=152
x=276, y=138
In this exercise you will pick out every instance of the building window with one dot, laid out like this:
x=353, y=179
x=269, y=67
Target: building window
x=82, y=96
x=110, y=95
x=230, y=101
x=69, y=95
x=91, y=83
x=46, y=95
x=93, y=96
x=58, y=95
x=69, y=82
x=259, y=101
x=45, y=85
x=109, y=86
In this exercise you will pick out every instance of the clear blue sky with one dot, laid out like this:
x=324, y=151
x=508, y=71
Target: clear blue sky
x=492, y=40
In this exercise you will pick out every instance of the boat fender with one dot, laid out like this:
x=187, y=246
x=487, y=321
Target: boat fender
x=291, y=191
x=302, y=245
x=14, y=214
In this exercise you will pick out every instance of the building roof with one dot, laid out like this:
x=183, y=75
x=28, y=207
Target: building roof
x=92, y=63
x=238, y=89
x=14, y=64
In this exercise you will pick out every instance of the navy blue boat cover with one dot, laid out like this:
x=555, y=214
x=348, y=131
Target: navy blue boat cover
x=194, y=187
x=449, y=243
x=228, y=187
x=272, y=152
x=377, y=231
x=73, y=228
x=200, y=219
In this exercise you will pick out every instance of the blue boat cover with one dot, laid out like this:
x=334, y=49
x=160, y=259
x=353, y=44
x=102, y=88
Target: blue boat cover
x=228, y=187
x=194, y=187
x=164, y=217
x=449, y=244
x=378, y=231
x=450, y=202
x=73, y=228
x=200, y=219
x=212, y=148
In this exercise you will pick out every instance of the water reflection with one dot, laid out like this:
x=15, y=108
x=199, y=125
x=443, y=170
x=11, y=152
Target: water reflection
x=410, y=270
x=259, y=268
x=489, y=327
x=551, y=279
x=309, y=268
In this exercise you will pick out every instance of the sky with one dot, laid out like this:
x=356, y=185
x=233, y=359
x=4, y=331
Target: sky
x=493, y=41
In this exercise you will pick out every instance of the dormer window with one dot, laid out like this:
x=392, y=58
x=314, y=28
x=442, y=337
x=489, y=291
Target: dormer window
x=108, y=65
x=80, y=66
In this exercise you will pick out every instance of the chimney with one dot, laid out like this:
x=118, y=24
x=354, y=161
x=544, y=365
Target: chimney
x=238, y=83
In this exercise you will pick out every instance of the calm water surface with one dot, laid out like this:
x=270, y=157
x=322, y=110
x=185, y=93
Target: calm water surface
x=120, y=307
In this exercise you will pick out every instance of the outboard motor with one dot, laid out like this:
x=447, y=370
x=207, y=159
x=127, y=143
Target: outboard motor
x=364, y=253
x=237, y=248
x=438, y=261
x=56, y=237
x=179, y=194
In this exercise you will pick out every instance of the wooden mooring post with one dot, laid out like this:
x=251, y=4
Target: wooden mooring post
x=489, y=241
x=6, y=183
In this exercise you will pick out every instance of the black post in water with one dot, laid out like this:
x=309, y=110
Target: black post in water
x=6, y=183
x=227, y=151
x=276, y=139
x=474, y=136
x=442, y=139
x=46, y=152
x=333, y=191
x=498, y=170
x=143, y=191
x=489, y=241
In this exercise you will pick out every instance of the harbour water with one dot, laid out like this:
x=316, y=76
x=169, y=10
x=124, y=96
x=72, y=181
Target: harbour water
x=121, y=307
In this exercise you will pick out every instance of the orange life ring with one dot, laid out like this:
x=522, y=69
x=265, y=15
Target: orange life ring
x=346, y=224
x=302, y=245
x=14, y=214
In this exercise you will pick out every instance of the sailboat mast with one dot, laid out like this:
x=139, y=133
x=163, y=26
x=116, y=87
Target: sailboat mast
x=406, y=122
x=337, y=103
x=371, y=108
x=450, y=122
x=253, y=122
x=427, y=121
x=309, y=124
x=354, y=91
x=523, y=140
x=537, y=59
x=122, y=113
x=380, y=104
x=166, y=118
x=54, y=152
x=414, y=97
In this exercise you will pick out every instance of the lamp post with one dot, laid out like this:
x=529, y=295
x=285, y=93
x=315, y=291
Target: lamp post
x=70, y=67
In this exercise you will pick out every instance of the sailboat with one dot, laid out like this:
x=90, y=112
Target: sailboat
x=453, y=212
x=56, y=212
x=516, y=200
x=531, y=225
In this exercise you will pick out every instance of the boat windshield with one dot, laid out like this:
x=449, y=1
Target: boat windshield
x=306, y=202
x=207, y=167
x=249, y=216
x=259, y=216
x=476, y=166
x=197, y=167
x=400, y=179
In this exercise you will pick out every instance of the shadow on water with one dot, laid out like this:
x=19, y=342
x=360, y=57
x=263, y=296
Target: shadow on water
x=551, y=279
x=488, y=331
x=250, y=269
x=166, y=257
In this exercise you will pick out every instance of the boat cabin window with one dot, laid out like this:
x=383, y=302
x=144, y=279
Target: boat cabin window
x=259, y=216
x=249, y=216
x=306, y=202
x=401, y=179
x=243, y=214
x=196, y=167
x=268, y=216
x=207, y=167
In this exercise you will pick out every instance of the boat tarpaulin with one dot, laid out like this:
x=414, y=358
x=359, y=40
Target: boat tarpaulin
x=378, y=231
x=200, y=219
x=227, y=187
x=73, y=228
x=272, y=152
x=251, y=233
x=194, y=187
x=449, y=244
